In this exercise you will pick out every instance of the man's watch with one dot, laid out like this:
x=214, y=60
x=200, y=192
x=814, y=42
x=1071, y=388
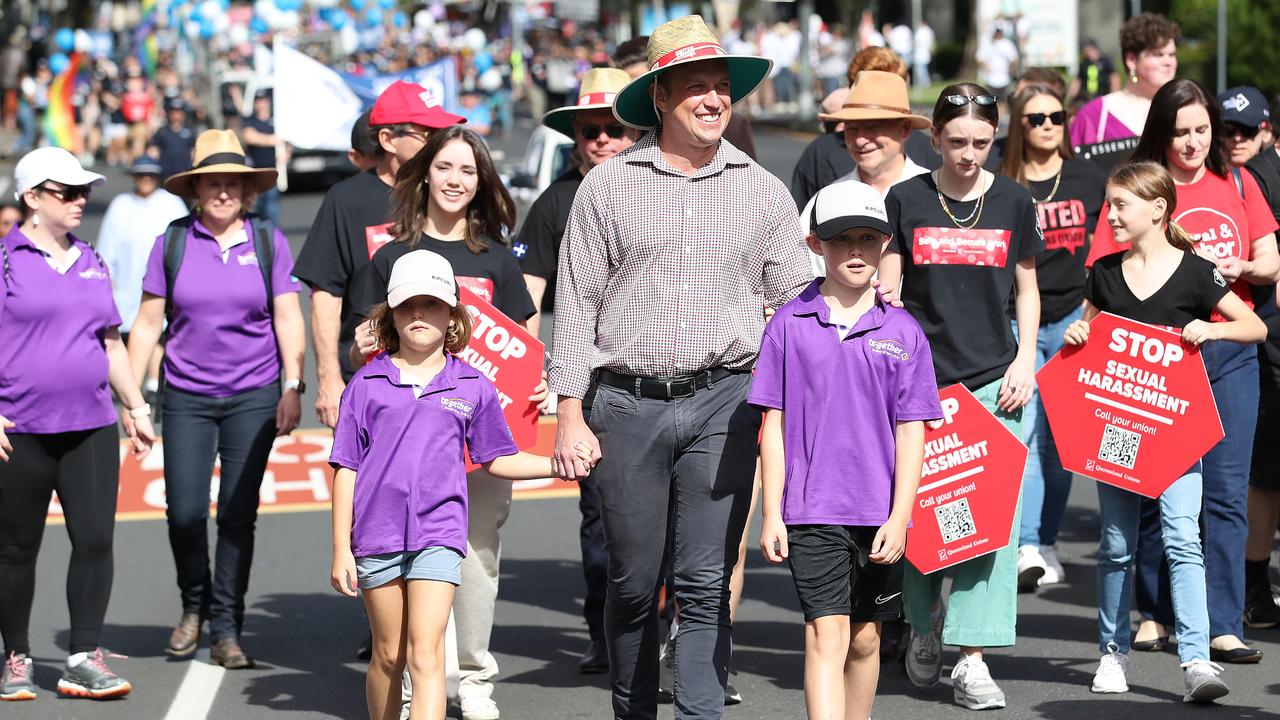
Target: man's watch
x=298, y=385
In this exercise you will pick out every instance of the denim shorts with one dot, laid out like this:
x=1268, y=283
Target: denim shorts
x=434, y=563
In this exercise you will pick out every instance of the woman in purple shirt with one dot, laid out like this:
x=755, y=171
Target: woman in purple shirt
x=60, y=350
x=229, y=340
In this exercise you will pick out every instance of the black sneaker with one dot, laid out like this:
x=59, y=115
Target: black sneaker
x=1260, y=608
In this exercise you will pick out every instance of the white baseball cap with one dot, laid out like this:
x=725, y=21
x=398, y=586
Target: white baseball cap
x=51, y=163
x=848, y=204
x=422, y=272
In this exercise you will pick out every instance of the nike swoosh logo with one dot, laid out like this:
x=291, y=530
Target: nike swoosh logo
x=880, y=599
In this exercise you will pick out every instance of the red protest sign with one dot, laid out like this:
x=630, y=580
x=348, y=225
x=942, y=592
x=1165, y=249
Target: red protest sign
x=968, y=486
x=1132, y=407
x=510, y=357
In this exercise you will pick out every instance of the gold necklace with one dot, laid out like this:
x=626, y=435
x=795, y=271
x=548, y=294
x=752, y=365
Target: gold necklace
x=974, y=216
x=1056, y=180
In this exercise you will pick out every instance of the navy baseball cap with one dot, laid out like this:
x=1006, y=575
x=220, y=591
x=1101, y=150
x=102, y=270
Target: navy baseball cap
x=175, y=103
x=1245, y=106
x=146, y=166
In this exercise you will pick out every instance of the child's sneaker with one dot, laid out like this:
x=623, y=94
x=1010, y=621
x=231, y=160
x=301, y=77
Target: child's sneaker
x=1112, y=672
x=1054, y=573
x=17, y=683
x=1031, y=568
x=93, y=679
x=1202, y=682
x=924, y=653
x=667, y=670
x=974, y=688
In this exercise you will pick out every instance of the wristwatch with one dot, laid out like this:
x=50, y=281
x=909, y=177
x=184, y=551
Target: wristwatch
x=298, y=385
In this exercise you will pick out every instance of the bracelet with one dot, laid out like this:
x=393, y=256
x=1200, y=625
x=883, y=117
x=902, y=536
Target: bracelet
x=143, y=410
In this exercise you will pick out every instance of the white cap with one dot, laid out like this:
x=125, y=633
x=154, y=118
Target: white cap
x=51, y=163
x=422, y=272
x=848, y=204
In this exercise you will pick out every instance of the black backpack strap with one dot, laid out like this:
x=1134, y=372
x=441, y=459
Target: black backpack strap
x=264, y=247
x=175, y=248
x=1235, y=175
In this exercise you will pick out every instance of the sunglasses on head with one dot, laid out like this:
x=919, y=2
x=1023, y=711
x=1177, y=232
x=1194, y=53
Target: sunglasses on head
x=1035, y=120
x=68, y=194
x=613, y=130
x=1229, y=130
x=959, y=100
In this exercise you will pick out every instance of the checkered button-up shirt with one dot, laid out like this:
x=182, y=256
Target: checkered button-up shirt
x=664, y=274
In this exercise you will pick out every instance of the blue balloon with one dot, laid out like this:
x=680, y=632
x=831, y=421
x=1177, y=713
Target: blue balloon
x=259, y=26
x=482, y=61
x=400, y=19
x=58, y=62
x=206, y=28
x=287, y=5
x=357, y=5
x=196, y=15
x=65, y=39
x=386, y=4
x=373, y=16
x=338, y=20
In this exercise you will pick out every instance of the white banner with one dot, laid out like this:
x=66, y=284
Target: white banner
x=314, y=106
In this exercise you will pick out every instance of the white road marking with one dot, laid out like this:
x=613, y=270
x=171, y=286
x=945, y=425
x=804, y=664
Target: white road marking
x=198, y=690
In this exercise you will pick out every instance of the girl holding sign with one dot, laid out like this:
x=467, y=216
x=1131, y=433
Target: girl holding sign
x=1228, y=220
x=963, y=240
x=1159, y=280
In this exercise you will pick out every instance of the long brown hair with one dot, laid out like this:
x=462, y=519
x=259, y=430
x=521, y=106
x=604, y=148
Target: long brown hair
x=1015, y=150
x=383, y=327
x=1149, y=180
x=491, y=213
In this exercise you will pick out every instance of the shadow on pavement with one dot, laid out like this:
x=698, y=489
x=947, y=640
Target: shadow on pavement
x=1127, y=708
x=136, y=641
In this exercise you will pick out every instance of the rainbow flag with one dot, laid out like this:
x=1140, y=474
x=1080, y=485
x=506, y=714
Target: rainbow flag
x=59, y=119
x=144, y=39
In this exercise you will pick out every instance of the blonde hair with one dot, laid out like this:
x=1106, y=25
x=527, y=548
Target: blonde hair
x=1149, y=181
x=383, y=327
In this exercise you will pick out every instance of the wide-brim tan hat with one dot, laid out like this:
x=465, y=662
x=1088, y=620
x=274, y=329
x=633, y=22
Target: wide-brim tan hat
x=599, y=87
x=219, y=151
x=680, y=41
x=877, y=95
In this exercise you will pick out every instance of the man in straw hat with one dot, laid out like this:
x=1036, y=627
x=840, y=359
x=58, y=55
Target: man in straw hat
x=673, y=249
x=597, y=136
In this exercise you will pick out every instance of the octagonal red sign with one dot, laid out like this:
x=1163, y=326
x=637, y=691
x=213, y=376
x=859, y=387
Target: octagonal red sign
x=968, y=487
x=1132, y=407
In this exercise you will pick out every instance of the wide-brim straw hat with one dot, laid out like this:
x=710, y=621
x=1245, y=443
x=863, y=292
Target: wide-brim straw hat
x=877, y=95
x=680, y=41
x=599, y=87
x=219, y=151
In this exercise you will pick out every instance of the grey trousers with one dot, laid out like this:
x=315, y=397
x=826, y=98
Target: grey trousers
x=679, y=469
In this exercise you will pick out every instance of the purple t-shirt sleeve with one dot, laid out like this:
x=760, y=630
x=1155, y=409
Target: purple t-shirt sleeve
x=153, y=281
x=766, y=384
x=282, y=279
x=488, y=435
x=918, y=393
x=349, y=441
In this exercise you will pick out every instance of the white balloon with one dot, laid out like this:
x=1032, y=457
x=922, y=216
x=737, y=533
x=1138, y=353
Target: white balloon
x=238, y=34
x=475, y=39
x=423, y=20
x=286, y=20
x=192, y=29
x=323, y=3
x=222, y=23
x=265, y=9
x=83, y=43
x=490, y=80
x=211, y=9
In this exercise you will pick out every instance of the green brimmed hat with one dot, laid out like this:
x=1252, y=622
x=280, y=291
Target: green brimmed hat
x=599, y=87
x=680, y=41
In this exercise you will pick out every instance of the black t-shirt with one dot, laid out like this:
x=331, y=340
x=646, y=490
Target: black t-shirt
x=956, y=282
x=820, y=164
x=1189, y=294
x=351, y=225
x=1095, y=77
x=260, y=156
x=493, y=274
x=1068, y=218
x=175, y=147
x=538, y=244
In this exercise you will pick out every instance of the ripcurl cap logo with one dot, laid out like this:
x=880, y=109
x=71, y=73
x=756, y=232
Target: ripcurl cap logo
x=1237, y=103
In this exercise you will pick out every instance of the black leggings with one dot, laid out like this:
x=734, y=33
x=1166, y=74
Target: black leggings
x=84, y=467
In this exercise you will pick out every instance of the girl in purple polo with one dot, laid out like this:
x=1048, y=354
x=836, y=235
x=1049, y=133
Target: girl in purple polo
x=400, y=490
x=60, y=358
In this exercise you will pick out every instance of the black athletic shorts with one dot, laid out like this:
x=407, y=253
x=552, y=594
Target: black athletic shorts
x=834, y=575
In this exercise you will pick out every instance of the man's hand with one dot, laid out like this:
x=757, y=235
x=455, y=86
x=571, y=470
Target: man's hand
x=328, y=396
x=574, y=442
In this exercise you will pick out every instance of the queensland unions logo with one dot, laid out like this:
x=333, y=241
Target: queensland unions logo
x=458, y=406
x=892, y=348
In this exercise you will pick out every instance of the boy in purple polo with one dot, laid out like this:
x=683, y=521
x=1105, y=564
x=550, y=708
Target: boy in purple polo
x=847, y=383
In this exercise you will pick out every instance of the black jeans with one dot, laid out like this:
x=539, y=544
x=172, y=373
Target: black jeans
x=682, y=467
x=84, y=468
x=239, y=430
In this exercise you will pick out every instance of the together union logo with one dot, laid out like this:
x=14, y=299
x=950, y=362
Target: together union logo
x=888, y=347
x=457, y=406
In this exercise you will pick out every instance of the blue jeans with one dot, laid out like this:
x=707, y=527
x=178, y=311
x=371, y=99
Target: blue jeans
x=239, y=430
x=1233, y=374
x=1180, y=541
x=1045, y=485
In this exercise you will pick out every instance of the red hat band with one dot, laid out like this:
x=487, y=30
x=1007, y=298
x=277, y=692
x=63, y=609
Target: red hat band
x=600, y=98
x=697, y=50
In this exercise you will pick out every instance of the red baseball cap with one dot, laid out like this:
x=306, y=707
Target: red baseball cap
x=405, y=102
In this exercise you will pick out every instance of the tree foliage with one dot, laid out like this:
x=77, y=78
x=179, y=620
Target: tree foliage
x=1253, y=42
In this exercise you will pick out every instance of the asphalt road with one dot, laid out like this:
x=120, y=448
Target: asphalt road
x=304, y=635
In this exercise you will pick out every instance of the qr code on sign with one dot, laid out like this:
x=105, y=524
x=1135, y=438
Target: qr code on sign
x=1119, y=446
x=955, y=521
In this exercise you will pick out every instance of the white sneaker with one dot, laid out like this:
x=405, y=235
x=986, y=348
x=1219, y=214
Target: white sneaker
x=1112, y=671
x=1202, y=682
x=1031, y=567
x=1054, y=573
x=974, y=688
x=479, y=707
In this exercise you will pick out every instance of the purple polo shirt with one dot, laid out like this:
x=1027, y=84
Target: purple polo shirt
x=53, y=365
x=221, y=341
x=841, y=400
x=411, y=482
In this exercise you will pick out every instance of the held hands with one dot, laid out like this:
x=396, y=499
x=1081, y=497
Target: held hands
x=773, y=540
x=577, y=451
x=1198, y=331
x=889, y=544
x=288, y=412
x=1077, y=333
x=1018, y=384
x=142, y=435
x=6, y=447
x=328, y=398
x=342, y=575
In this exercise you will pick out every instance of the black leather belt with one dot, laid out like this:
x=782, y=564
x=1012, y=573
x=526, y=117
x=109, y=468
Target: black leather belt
x=664, y=388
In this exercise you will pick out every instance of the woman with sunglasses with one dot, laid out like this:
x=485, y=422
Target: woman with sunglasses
x=61, y=356
x=964, y=242
x=1230, y=223
x=1068, y=195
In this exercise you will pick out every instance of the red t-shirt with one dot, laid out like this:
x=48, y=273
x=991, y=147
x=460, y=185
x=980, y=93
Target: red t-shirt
x=1213, y=213
x=136, y=106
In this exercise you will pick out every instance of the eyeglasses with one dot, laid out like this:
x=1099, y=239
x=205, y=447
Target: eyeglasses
x=68, y=194
x=419, y=136
x=960, y=100
x=1058, y=118
x=1230, y=130
x=613, y=130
